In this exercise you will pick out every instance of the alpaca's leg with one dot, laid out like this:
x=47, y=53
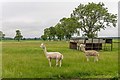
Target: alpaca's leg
x=96, y=58
x=87, y=58
x=60, y=62
x=56, y=62
x=77, y=47
x=49, y=62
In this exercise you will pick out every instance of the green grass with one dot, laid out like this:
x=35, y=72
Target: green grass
x=26, y=59
x=0, y=60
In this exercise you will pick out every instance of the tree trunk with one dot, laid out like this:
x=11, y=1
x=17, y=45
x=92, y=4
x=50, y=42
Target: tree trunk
x=90, y=35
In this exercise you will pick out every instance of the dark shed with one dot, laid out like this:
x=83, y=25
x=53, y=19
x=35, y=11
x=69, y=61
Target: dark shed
x=91, y=43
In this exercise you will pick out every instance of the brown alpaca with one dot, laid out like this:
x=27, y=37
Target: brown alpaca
x=89, y=53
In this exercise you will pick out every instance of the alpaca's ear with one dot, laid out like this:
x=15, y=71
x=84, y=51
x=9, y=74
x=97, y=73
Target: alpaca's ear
x=42, y=44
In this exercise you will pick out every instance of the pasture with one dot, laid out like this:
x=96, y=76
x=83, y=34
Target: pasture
x=25, y=59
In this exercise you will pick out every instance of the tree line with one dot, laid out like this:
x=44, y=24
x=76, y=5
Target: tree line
x=63, y=30
x=89, y=18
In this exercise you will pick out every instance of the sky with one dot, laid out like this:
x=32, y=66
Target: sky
x=33, y=16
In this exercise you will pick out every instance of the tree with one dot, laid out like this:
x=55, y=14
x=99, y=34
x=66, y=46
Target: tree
x=59, y=31
x=18, y=35
x=52, y=32
x=2, y=35
x=70, y=26
x=93, y=17
x=44, y=37
x=63, y=30
x=47, y=33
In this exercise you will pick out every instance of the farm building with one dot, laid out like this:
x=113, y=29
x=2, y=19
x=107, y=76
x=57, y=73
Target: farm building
x=91, y=43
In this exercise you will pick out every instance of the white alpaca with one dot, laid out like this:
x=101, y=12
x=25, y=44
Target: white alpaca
x=52, y=55
x=89, y=53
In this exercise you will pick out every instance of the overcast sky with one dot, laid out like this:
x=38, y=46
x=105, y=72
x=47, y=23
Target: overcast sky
x=33, y=17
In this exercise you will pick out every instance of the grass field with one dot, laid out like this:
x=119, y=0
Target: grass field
x=0, y=59
x=26, y=59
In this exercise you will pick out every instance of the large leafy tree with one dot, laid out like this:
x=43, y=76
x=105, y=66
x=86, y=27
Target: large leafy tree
x=63, y=30
x=47, y=33
x=93, y=17
x=59, y=31
x=70, y=26
x=18, y=35
x=52, y=32
x=44, y=37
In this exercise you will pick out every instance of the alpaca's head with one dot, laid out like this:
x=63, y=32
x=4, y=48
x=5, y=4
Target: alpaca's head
x=42, y=46
x=82, y=45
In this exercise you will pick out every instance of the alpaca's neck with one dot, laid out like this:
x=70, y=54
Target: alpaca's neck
x=45, y=50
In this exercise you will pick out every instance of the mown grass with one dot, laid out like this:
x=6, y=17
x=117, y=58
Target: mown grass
x=26, y=59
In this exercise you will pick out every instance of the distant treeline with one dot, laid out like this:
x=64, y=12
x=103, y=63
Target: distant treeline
x=8, y=38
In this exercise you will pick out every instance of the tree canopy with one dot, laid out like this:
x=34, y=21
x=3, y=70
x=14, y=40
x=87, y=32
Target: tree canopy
x=93, y=17
x=70, y=26
x=18, y=35
x=62, y=30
